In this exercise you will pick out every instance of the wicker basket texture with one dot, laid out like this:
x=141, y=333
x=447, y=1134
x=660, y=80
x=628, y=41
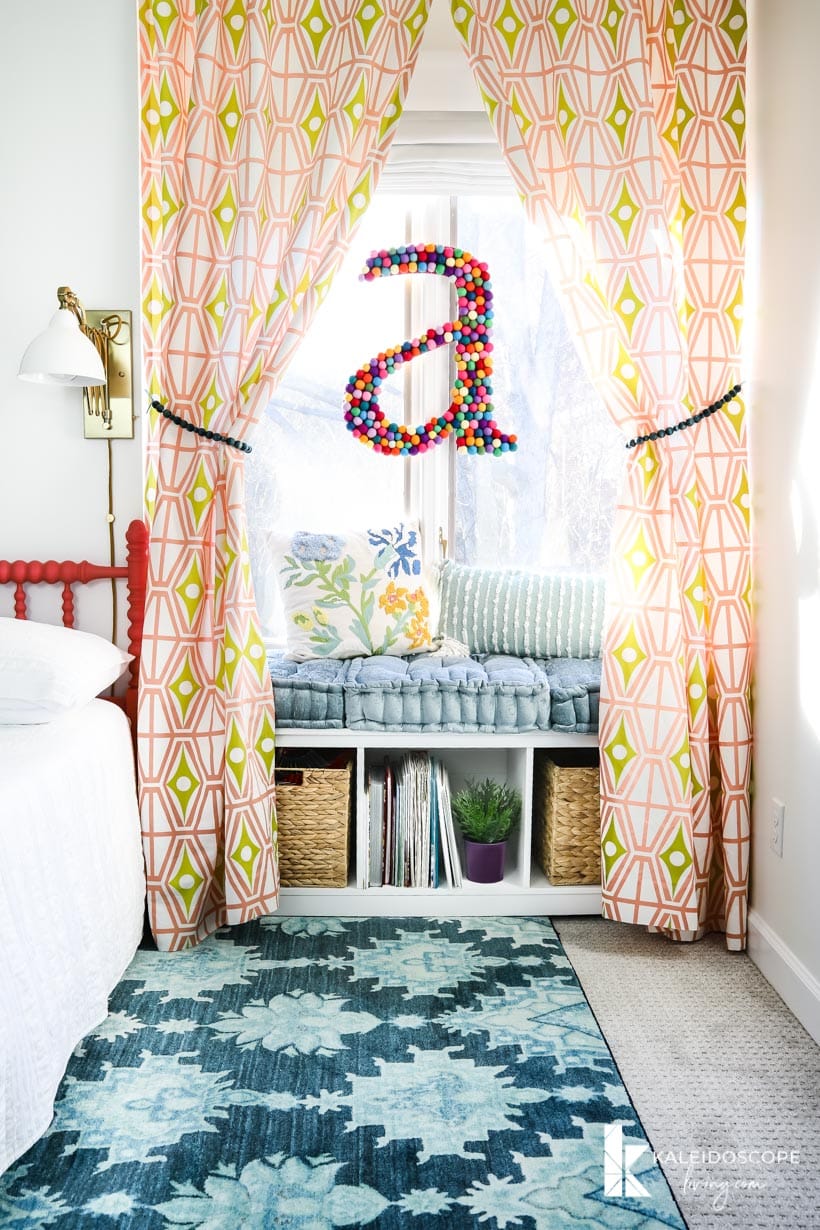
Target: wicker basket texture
x=566, y=818
x=313, y=812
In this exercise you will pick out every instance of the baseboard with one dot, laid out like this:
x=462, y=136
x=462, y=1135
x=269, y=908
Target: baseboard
x=794, y=983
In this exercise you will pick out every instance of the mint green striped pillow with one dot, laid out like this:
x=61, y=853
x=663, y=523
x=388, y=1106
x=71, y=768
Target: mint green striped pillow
x=529, y=614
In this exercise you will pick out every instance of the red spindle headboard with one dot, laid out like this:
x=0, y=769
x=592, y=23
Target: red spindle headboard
x=20, y=573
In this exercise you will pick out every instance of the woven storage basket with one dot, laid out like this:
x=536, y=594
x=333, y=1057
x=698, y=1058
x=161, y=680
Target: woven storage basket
x=313, y=811
x=566, y=817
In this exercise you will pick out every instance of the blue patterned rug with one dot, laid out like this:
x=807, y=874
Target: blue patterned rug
x=323, y=1072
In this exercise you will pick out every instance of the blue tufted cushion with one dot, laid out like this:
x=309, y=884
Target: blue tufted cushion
x=308, y=693
x=493, y=693
x=575, y=689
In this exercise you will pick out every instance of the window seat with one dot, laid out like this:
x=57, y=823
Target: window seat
x=483, y=693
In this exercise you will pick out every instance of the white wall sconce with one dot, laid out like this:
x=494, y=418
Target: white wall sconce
x=93, y=350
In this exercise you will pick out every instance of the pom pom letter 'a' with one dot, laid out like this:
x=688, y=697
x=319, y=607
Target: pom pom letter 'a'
x=470, y=415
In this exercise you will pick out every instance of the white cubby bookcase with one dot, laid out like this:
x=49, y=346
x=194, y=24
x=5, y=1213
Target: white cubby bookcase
x=524, y=890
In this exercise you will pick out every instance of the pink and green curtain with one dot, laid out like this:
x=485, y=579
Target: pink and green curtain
x=265, y=124
x=622, y=122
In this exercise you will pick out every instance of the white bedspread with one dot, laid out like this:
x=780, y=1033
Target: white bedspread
x=72, y=889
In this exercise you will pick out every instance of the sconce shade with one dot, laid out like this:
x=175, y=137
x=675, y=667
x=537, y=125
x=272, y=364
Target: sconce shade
x=62, y=354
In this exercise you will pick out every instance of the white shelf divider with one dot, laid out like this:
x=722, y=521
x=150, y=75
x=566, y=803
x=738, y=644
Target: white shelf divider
x=359, y=844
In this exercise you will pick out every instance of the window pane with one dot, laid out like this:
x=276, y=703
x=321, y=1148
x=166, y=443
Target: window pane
x=552, y=503
x=306, y=471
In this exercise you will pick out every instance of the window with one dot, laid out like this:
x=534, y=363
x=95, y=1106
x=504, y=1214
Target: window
x=549, y=505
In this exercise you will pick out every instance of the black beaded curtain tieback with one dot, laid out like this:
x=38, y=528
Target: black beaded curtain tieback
x=200, y=431
x=696, y=418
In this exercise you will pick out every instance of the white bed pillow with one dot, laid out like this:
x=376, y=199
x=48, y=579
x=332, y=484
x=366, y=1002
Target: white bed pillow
x=46, y=670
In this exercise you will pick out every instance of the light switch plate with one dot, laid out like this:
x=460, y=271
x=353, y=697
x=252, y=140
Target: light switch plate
x=776, y=831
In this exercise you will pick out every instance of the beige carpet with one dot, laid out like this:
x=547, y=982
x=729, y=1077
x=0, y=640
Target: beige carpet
x=713, y=1060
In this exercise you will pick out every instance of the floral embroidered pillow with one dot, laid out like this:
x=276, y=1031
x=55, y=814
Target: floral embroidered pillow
x=350, y=595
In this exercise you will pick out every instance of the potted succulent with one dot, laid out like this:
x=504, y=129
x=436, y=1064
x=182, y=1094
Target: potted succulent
x=487, y=813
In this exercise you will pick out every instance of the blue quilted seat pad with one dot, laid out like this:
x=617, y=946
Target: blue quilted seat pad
x=575, y=690
x=490, y=693
x=308, y=694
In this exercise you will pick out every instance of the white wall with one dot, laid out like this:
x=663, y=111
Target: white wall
x=785, y=371
x=69, y=213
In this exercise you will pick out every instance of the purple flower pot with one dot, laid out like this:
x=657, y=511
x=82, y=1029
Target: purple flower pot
x=485, y=861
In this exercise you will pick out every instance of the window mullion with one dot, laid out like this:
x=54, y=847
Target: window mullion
x=449, y=481
x=428, y=388
x=412, y=493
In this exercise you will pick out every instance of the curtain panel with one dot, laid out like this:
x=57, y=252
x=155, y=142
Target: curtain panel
x=265, y=126
x=623, y=125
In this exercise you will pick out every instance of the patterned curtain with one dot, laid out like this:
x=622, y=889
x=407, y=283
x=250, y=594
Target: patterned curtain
x=264, y=128
x=622, y=122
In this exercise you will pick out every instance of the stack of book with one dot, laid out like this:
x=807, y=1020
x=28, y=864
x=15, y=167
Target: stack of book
x=410, y=824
